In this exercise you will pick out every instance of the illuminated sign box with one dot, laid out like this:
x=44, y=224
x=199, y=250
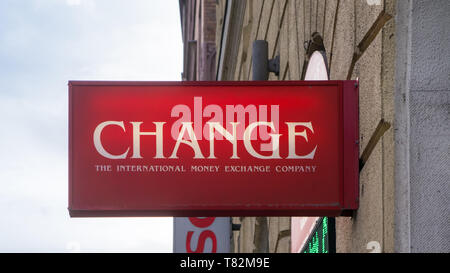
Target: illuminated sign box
x=285, y=148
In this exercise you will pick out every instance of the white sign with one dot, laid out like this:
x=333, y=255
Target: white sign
x=201, y=234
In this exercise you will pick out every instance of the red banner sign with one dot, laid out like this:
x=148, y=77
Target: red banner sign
x=213, y=148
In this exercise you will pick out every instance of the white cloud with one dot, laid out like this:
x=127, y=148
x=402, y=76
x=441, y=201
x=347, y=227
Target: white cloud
x=42, y=46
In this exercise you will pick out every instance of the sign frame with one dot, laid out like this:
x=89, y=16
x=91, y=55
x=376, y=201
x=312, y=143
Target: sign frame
x=349, y=194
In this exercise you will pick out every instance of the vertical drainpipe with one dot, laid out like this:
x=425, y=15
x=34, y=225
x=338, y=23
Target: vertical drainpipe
x=260, y=54
x=261, y=66
x=260, y=63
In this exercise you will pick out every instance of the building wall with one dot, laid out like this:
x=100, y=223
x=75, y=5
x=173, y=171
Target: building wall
x=423, y=126
x=404, y=78
x=198, y=24
x=286, y=25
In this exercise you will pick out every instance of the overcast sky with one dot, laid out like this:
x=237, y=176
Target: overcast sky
x=43, y=44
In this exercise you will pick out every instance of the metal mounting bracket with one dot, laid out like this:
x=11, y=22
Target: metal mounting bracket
x=274, y=65
x=261, y=65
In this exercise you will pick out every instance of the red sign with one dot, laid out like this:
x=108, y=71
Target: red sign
x=213, y=148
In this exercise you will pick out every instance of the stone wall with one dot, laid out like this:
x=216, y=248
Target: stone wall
x=286, y=25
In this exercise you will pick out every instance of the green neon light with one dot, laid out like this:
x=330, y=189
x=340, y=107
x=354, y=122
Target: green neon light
x=318, y=242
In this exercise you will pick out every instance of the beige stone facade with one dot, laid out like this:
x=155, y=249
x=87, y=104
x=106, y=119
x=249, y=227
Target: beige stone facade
x=399, y=52
x=287, y=25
